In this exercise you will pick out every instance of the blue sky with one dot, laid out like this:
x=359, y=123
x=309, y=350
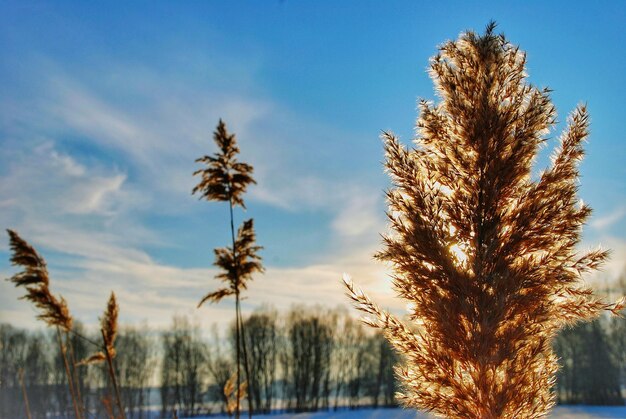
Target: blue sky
x=104, y=107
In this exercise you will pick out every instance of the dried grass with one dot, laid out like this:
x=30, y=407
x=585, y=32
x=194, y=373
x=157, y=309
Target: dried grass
x=485, y=255
x=226, y=179
x=34, y=278
x=55, y=313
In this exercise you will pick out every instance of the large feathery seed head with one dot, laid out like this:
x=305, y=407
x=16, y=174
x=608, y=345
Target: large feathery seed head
x=485, y=255
x=224, y=178
x=238, y=266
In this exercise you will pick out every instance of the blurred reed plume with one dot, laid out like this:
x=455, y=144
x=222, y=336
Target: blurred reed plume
x=238, y=265
x=108, y=326
x=226, y=179
x=34, y=278
x=108, y=323
x=53, y=311
x=233, y=396
x=484, y=254
x=108, y=330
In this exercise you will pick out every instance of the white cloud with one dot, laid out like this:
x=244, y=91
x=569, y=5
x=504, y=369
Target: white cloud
x=293, y=193
x=607, y=220
x=84, y=211
x=154, y=292
x=44, y=182
x=68, y=165
x=359, y=215
x=81, y=112
x=93, y=196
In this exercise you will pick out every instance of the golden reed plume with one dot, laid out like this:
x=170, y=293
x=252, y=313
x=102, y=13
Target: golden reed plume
x=34, y=278
x=232, y=396
x=237, y=266
x=54, y=312
x=224, y=178
x=108, y=325
x=484, y=254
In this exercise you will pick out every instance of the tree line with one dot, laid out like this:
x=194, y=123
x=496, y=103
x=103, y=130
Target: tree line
x=307, y=359
x=304, y=360
x=592, y=357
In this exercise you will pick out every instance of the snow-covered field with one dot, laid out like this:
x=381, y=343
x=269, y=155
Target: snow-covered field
x=561, y=412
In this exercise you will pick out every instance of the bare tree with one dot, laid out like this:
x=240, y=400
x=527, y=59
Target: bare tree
x=310, y=340
x=261, y=340
x=135, y=366
x=182, y=369
x=14, y=349
x=220, y=369
x=377, y=381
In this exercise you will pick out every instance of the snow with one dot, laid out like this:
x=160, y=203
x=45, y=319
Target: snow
x=583, y=412
x=560, y=412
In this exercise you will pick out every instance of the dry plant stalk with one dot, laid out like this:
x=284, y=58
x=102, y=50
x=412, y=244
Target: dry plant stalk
x=109, y=332
x=24, y=393
x=108, y=407
x=53, y=311
x=484, y=254
x=226, y=179
x=108, y=329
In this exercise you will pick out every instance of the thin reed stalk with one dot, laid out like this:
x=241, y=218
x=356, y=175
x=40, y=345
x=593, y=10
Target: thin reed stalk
x=106, y=402
x=75, y=374
x=112, y=375
x=85, y=338
x=237, y=322
x=24, y=394
x=245, y=360
x=70, y=382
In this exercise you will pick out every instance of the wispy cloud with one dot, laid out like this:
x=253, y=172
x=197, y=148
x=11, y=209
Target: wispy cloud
x=87, y=211
x=154, y=292
x=359, y=215
x=607, y=220
x=89, y=259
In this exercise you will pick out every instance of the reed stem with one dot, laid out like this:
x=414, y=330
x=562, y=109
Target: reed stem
x=70, y=382
x=26, y=404
x=75, y=376
x=245, y=360
x=113, y=379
